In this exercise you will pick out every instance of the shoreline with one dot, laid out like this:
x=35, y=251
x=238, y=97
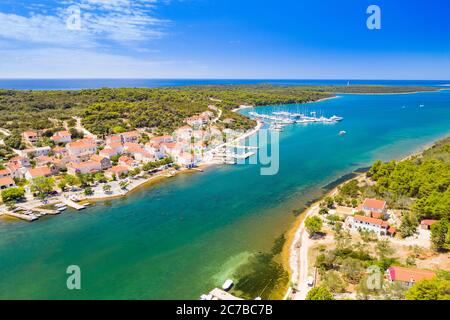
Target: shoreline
x=293, y=245
x=138, y=183
x=243, y=107
x=382, y=93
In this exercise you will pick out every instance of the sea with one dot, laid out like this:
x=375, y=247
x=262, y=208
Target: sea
x=182, y=237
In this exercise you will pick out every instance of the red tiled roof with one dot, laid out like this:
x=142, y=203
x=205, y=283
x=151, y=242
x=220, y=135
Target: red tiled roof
x=126, y=160
x=108, y=150
x=374, y=204
x=63, y=133
x=97, y=158
x=40, y=172
x=428, y=222
x=6, y=181
x=371, y=220
x=58, y=149
x=160, y=139
x=410, y=274
x=84, y=143
x=4, y=172
x=13, y=167
x=18, y=158
x=169, y=145
x=130, y=134
x=376, y=215
x=85, y=164
x=118, y=169
x=115, y=145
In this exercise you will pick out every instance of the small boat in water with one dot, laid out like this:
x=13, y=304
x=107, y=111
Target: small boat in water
x=342, y=133
x=227, y=285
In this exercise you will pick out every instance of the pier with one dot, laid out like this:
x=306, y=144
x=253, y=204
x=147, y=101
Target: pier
x=73, y=204
x=230, y=145
x=38, y=210
x=219, y=294
x=26, y=217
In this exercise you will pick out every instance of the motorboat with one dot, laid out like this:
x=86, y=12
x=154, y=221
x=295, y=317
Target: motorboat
x=227, y=285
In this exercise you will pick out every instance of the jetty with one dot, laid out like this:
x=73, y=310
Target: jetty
x=73, y=204
x=237, y=146
x=219, y=294
x=21, y=216
x=38, y=210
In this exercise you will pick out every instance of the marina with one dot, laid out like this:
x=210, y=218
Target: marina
x=278, y=119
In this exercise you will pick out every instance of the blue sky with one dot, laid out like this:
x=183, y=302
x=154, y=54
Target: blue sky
x=290, y=39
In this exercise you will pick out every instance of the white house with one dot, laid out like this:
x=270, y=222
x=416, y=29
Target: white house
x=124, y=137
x=62, y=137
x=30, y=136
x=104, y=161
x=185, y=159
x=154, y=149
x=196, y=121
x=378, y=226
x=84, y=167
x=183, y=133
x=83, y=147
x=35, y=152
x=108, y=153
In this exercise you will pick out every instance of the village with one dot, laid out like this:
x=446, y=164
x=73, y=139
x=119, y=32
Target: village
x=88, y=167
x=344, y=242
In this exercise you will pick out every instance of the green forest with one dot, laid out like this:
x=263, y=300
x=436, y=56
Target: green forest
x=421, y=187
x=159, y=108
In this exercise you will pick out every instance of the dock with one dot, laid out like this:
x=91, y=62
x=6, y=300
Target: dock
x=219, y=294
x=42, y=211
x=73, y=204
x=21, y=216
x=236, y=146
x=46, y=211
x=244, y=156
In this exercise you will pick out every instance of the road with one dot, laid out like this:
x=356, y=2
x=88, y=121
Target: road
x=299, y=258
x=79, y=127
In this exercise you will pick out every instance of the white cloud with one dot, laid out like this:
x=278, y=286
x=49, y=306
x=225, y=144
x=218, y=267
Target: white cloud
x=120, y=21
x=40, y=29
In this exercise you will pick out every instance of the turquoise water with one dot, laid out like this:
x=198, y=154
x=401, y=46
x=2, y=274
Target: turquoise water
x=182, y=237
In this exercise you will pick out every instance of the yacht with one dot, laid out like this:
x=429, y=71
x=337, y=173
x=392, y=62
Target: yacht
x=336, y=118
